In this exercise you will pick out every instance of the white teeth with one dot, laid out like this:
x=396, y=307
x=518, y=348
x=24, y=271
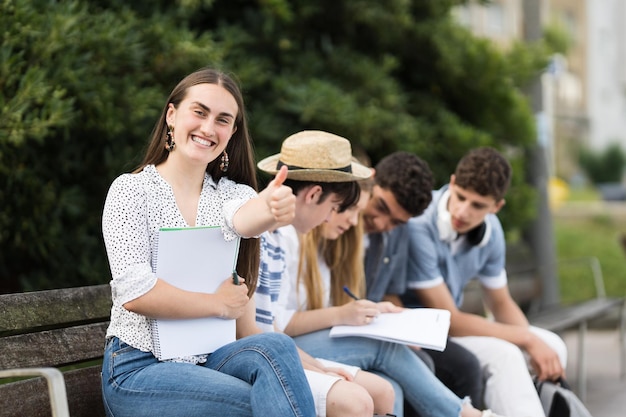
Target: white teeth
x=201, y=141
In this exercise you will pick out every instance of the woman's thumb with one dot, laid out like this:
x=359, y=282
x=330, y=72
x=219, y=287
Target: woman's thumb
x=281, y=176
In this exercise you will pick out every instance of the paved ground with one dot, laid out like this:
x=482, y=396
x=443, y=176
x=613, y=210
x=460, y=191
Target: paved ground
x=606, y=391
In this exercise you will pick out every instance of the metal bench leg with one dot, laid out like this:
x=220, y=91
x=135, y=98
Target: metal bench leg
x=622, y=340
x=582, y=361
x=56, y=386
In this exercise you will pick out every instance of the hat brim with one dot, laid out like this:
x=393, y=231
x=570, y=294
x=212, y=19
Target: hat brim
x=359, y=172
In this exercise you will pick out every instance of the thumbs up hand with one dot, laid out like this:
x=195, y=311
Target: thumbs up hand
x=280, y=199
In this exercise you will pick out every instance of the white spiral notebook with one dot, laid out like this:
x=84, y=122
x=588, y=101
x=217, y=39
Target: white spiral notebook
x=194, y=259
x=425, y=327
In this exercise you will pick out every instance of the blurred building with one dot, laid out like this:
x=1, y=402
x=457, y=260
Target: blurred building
x=584, y=91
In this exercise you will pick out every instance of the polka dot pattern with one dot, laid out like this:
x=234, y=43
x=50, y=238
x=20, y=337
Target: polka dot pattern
x=136, y=207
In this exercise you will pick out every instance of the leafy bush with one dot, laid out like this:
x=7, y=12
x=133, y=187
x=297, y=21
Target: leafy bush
x=82, y=81
x=80, y=88
x=605, y=166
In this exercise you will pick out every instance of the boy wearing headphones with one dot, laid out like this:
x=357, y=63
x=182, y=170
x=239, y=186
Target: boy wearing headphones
x=403, y=190
x=459, y=238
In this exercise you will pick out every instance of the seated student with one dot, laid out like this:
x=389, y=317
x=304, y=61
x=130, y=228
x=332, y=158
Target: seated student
x=313, y=300
x=323, y=179
x=398, y=195
x=458, y=238
x=183, y=181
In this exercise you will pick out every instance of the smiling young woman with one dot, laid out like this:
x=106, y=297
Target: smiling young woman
x=186, y=180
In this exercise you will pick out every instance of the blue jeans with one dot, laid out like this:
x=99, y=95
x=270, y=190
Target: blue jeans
x=459, y=370
x=426, y=394
x=259, y=375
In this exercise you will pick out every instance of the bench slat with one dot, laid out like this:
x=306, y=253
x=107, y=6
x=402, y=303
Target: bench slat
x=523, y=288
x=53, y=347
x=54, y=328
x=561, y=318
x=45, y=309
x=30, y=397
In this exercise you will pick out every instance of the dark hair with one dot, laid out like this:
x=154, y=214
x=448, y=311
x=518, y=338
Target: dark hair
x=484, y=171
x=349, y=191
x=409, y=179
x=240, y=154
x=240, y=150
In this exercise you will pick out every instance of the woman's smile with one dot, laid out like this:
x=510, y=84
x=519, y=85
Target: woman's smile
x=201, y=141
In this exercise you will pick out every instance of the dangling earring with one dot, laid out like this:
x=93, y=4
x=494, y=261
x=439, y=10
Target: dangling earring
x=169, y=139
x=224, y=162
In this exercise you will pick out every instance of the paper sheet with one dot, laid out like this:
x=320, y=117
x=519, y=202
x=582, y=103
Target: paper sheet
x=425, y=327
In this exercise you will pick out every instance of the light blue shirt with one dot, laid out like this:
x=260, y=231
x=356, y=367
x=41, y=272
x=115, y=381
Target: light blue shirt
x=436, y=254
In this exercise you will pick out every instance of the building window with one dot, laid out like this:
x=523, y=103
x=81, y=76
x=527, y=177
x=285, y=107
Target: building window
x=463, y=15
x=571, y=25
x=496, y=19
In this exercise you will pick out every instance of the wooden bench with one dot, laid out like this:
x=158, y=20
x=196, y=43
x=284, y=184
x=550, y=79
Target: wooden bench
x=525, y=289
x=56, y=336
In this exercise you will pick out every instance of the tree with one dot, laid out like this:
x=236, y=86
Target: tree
x=83, y=81
x=80, y=89
x=606, y=166
x=387, y=75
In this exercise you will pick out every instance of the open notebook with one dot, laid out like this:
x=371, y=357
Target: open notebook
x=425, y=327
x=194, y=259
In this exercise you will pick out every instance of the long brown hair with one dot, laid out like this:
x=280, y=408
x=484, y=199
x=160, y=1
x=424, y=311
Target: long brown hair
x=242, y=168
x=344, y=257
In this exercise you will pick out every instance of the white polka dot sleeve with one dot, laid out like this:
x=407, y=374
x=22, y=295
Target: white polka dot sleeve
x=234, y=196
x=126, y=237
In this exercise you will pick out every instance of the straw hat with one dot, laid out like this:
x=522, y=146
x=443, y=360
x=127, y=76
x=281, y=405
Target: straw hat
x=314, y=155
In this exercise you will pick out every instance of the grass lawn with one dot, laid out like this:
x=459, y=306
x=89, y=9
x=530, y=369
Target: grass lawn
x=590, y=233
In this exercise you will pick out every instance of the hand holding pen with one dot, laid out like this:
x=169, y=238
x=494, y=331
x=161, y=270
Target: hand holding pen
x=350, y=293
x=383, y=306
x=360, y=312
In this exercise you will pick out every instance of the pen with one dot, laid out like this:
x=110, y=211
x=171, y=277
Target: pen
x=347, y=291
x=235, y=278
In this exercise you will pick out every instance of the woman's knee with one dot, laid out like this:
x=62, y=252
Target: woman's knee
x=384, y=398
x=347, y=399
x=379, y=388
x=276, y=343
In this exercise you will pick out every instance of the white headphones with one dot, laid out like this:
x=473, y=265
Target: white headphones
x=478, y=236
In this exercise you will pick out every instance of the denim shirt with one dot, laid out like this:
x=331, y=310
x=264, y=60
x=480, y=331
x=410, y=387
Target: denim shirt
x=385, y=263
